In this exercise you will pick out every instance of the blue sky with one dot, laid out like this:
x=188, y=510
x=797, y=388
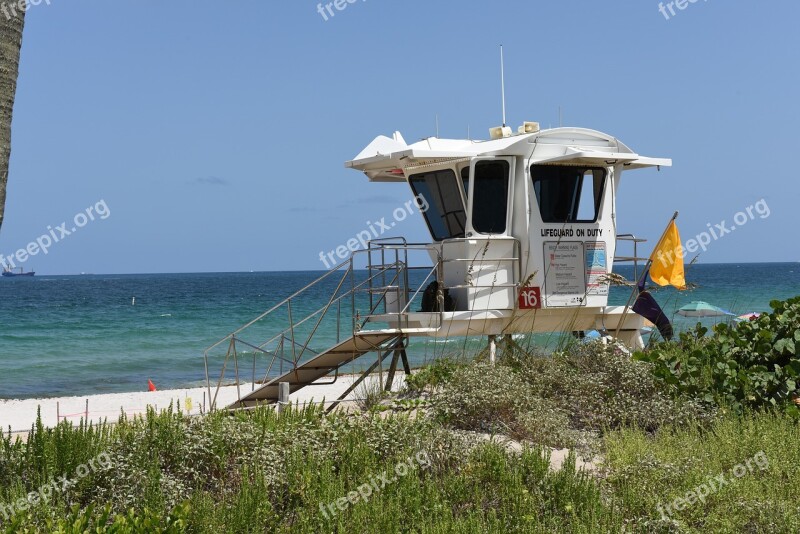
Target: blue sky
x=216, y=132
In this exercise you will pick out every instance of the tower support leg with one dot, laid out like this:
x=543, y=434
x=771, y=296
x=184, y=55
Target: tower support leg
x=399, y=351
x=381, y=356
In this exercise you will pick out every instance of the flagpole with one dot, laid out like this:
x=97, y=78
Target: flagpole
x=644, y=274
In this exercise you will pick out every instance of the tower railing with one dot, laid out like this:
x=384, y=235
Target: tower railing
x=635, y=259
x=292, y=332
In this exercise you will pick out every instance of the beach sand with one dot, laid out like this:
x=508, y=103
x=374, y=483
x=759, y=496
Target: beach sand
x=20, y=415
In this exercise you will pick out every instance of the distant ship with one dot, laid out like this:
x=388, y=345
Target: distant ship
x=9, y=273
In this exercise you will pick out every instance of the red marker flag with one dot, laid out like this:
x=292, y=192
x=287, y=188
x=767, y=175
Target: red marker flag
x=150, y=385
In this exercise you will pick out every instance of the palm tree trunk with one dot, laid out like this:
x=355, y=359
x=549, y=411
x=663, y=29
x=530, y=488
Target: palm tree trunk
x=12, y=21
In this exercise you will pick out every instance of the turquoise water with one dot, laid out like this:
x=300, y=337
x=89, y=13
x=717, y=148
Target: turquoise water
x=81, y=335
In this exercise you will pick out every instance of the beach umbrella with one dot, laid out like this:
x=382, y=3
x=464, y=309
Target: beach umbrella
x=752, y=316
x=702, y=309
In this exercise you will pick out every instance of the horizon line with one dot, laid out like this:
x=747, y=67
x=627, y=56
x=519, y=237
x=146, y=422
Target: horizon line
x=38, y=275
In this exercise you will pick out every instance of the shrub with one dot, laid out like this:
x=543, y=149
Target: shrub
x=495, y=399
x=602, y=388
x=433, y=376
x=748, y=365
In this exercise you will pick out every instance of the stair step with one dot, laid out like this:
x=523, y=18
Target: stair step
x=319, y=366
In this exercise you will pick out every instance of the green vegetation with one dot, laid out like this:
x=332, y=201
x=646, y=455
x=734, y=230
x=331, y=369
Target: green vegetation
x=564, y=400
x=680, y=444
x=647, y=471
x=431, y=377
x=495, y=400
x=264, y=471
x=750, y=365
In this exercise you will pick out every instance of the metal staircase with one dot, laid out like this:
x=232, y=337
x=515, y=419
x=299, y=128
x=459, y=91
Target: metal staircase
x=370, y=297
x=321, y=366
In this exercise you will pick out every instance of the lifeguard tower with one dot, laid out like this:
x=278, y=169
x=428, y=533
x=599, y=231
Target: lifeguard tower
x=524, y=235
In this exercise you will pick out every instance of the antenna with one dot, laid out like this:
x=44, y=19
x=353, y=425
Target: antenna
x=503, y=84
x=560, y=121
x=437, y=126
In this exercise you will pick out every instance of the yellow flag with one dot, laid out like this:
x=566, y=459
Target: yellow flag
x=667, y=260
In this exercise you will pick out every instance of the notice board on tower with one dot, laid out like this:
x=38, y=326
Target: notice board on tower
x=565, y=274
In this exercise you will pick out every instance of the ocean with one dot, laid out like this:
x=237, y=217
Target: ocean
x=84, y=335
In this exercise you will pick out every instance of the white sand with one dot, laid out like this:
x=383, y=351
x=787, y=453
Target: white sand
x=20, y=415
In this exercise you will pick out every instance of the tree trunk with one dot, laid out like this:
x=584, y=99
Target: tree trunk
x=12, y=21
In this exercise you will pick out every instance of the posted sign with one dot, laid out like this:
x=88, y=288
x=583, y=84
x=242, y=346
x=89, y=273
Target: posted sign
x=530, y=298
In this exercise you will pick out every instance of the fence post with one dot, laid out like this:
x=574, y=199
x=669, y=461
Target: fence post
x=283, y=395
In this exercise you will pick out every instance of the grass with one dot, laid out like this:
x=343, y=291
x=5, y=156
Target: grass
x=369, y=394
x=264, y=471
x=648, y=471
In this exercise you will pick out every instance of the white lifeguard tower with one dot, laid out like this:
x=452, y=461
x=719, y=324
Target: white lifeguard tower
x=524, y=235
